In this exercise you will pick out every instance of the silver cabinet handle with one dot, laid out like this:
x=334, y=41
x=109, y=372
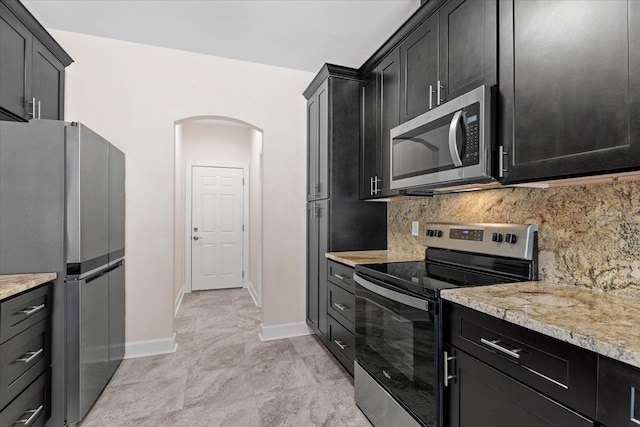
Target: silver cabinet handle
x=341, y=307
x=339, y=276
x=371, y=185
x=453, y=143
x=430, y=96
x=34, y=414
x=30, y=355
x=39, y=110
x=501, y=155
x=494, y=345
x=340, y=344
x=196, y=238
x=377, y=189
x=32, y=310
x=447, y=377
x=33, y=107
x=440, y=87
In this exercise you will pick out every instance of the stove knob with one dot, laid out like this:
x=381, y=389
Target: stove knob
x=430, y=233
x=511, y=238
x=438, y=233
x=496, y=237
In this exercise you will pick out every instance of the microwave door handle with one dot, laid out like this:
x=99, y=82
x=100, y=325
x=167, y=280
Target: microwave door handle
x=453, y=144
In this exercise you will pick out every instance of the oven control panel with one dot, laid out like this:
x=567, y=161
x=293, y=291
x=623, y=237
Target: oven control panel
x=508, y=240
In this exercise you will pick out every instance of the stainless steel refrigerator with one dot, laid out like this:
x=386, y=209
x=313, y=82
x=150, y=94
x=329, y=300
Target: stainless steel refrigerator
x=62, y=209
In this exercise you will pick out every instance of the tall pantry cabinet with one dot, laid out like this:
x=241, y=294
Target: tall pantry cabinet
x=336, y=219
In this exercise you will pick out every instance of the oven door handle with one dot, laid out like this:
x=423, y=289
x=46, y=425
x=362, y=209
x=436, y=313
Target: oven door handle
x=414, y=302
x=453, y=143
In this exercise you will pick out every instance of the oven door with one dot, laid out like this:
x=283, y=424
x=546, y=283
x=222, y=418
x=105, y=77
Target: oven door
x=396, y=344
x=445, y=145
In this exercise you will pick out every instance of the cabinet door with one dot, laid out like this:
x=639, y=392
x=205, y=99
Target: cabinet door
x=618, y=394
x=389, y=78
x=312, y=266
x=480, y=396
x=312, y=146
x=565, y=81
x=322, y=183
x=419, y=56
x=15, y=57
x=468, y=44
x=323, y=248
x=116, y=203
x=47, y=82
x=370, y=161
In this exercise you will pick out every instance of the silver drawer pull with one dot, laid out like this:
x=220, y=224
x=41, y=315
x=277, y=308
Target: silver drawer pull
x=340, y=276
x=29, y=356
x=494, y=345
x=340, y=344
x=342, y=307
x=32, y=310
x=34, y=414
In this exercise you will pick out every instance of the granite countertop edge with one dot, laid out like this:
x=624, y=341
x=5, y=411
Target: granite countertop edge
x=14, y=284
x=597, y=345
x=353, y=258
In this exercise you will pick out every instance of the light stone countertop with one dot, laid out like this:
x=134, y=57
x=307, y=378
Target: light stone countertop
x=604, y=323
x=371, y=257
x=12, y=284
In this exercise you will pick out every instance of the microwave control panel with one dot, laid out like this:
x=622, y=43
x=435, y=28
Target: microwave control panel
x=471, y=149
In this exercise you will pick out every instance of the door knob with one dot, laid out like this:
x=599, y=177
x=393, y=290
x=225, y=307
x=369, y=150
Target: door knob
x=195, y=237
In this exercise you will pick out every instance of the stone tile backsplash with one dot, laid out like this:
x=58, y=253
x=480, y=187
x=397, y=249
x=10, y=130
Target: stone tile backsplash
x=589, y=235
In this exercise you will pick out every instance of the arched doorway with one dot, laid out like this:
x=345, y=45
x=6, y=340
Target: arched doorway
x=206, y=143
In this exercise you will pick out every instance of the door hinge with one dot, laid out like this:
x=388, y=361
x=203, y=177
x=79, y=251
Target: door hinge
x=242, y=181
x=242, y=227
x=243, y=274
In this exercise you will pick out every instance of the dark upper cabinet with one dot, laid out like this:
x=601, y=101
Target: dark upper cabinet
x=318, y=144
x=380, y=95
x=15, y=57
x=370, y=148
x=419, y=70
x=336, y=220
x=31, y=67
x=570, y=88
x=468, y=46
x=389, y=81
x=47, y=83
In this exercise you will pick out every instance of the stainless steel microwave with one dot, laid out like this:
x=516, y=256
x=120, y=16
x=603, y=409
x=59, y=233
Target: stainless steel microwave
x=448, y=146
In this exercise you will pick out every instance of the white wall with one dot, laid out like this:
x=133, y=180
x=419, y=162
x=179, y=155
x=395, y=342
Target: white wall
x=132, y=94
x=255, y=216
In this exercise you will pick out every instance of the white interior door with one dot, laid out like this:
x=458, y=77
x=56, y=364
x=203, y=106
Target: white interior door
x=216, y=228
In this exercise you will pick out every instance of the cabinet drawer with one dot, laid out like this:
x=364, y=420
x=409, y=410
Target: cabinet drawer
x=560, y=370
x=31, y=407
x=23, y=311
x=22, y=359
x=618, y=394
x=341, y=275
x=341, y=305
x=342, y=343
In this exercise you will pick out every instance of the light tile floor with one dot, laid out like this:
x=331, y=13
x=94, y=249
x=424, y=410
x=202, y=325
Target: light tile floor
x=223, y=375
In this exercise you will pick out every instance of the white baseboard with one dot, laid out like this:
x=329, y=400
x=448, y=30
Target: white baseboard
x=284, y=330
x=253, y=293
x=179, y=300
x=150, y=347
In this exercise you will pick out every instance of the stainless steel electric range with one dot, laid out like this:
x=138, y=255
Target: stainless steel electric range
x=399, y=360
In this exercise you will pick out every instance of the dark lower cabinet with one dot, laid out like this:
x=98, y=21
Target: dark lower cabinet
x=618, y=394
x=340, y=307
x=317, y=237
x=570, y=86
x=481, y=396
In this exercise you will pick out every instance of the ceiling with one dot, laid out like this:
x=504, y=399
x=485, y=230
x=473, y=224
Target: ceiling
x=298, y=34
